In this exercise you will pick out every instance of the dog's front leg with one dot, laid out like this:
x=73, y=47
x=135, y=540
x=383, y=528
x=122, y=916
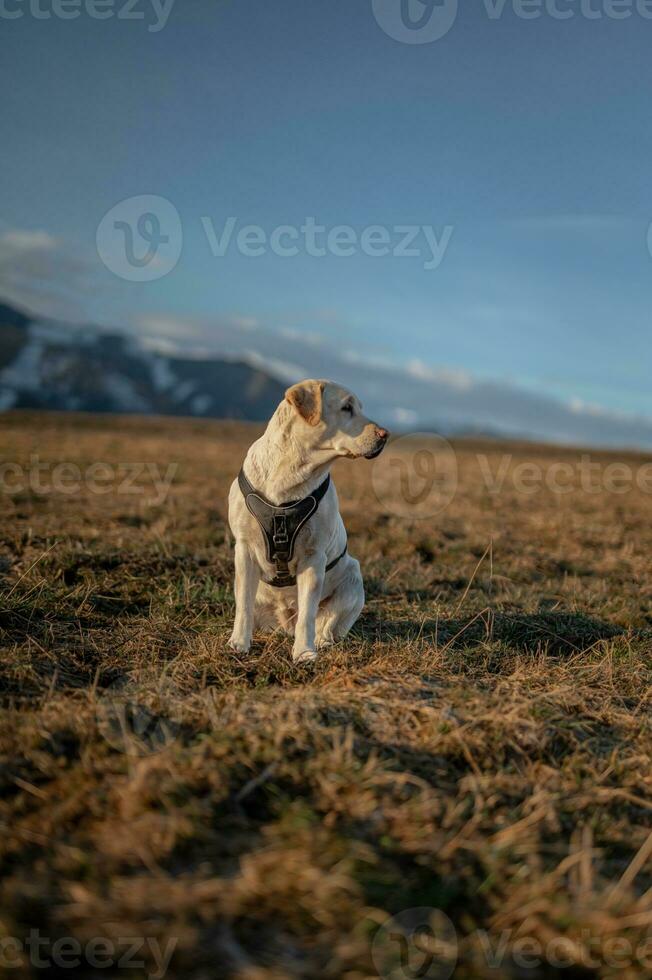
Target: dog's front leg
x=247, y=576
x=310, y=581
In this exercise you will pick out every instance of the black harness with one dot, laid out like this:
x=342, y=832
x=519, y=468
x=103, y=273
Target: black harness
x=280, y=526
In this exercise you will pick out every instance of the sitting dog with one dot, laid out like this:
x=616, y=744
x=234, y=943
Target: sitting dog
x=292, y=568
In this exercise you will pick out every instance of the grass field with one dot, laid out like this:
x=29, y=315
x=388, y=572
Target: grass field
x=480, y=745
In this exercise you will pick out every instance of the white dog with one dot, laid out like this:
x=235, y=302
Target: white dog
x=292, y=569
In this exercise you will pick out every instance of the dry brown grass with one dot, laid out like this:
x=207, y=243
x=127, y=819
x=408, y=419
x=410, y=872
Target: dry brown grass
x=481, y=744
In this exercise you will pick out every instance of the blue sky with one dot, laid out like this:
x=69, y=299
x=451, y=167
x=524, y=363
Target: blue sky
x=529, y=139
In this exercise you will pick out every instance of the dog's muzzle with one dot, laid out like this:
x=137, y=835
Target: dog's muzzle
x=382, y=436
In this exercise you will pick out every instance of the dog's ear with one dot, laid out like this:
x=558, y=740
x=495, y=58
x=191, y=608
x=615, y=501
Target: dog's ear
x=306, y=398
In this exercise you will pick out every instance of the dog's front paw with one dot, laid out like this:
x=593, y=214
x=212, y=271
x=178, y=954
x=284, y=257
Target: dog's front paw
x=324, y=639
x=238, y=644
x=303, y=656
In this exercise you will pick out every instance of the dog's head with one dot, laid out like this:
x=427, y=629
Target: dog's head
x=329, y=418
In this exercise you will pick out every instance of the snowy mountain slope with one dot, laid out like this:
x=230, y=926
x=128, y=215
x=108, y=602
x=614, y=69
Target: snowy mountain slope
x=49, y=365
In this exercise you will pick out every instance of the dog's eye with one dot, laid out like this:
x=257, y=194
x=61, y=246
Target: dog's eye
x=348, y=408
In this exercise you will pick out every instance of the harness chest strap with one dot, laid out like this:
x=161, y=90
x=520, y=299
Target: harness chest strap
x=281, y=524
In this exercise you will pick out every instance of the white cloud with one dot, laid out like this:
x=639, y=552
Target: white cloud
x=246, y=322
x=573, y=222
x=43, y=274
x=404, y=416
x=188, y=332
x=307, y=337
x=412, y=394
x=26, y=241
x=457, y=379
x=283, y=370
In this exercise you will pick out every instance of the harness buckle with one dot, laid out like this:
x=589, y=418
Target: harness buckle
x=280, y=532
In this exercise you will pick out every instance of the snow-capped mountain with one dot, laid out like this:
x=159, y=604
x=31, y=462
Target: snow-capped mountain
x=50, y=365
